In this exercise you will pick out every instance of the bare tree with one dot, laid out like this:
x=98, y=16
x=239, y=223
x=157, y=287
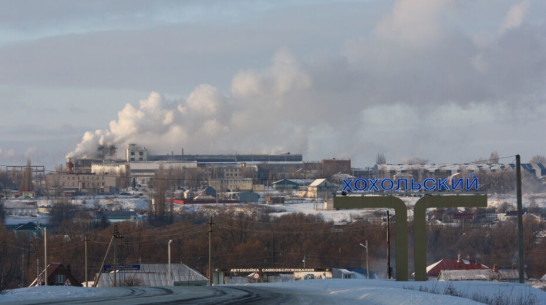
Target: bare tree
x=381, y=159
x=9, y=264
x=26, y=184
x=494, y=158
x=414, y=161
x=538, y=159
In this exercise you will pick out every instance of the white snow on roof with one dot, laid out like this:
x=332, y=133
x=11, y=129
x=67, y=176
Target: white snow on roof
x=317, y=182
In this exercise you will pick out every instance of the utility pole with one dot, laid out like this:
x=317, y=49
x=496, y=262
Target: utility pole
x=388, y=247
x=210, y=251
x=303, y=261
x=520, y=221
x=38, y=271
x=45, y=256
x=85, y=239
x=367, y=264
x=169, y=265
x=23, y=270
x=103, y=261
x=241, y=227
x=274, y=253
x=116, y=236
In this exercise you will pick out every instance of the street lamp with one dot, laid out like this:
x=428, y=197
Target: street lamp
x=169, y=265
x=367, y=265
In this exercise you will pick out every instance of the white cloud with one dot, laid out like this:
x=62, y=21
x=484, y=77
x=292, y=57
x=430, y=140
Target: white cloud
x=416, y=23
x=514, y=17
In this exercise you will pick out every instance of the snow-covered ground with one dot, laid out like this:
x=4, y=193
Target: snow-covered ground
x=344, y=292
x=53, y=292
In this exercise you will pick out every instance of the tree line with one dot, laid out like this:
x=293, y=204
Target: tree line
x=255, y=239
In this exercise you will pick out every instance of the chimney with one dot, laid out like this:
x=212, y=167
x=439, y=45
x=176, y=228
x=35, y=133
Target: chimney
x=458, y=258
x=495, y=268
x=69, y=165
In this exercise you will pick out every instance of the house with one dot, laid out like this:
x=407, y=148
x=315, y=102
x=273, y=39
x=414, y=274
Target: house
x=274, y=200
x=223, y=185
x=57, y=275
x=249, y=196
x=119, y=216
x=285, y=185
x=342, y=274
x=20, y=211
x=210, y=191
x=433, y=270
x=31, y=229
x=465, y=275
x=243, y=197
x=18, y=207
x=361, y=273
x=320, y=188
x=507, y=275
x=154, y=275
x=495, y=274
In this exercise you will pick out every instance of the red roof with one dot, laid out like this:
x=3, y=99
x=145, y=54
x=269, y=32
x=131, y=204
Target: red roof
x=453, y=264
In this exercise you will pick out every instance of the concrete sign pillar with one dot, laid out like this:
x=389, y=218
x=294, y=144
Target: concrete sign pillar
x=419, y=223
x=382, y=202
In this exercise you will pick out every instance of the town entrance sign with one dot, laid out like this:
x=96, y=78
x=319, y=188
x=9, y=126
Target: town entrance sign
x=373, y=201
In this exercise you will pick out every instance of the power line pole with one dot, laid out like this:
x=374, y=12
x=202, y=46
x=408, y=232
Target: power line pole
x=116, y=236
x=241, y=227
x=367, y=262
x=45, y=256
x=38, y=272
x=23, y=270
x=85, y=239
x=520, y=221
x=388, y=247
x=95, y=283
x=169, y=265
x=274, y=253
x=210, y=251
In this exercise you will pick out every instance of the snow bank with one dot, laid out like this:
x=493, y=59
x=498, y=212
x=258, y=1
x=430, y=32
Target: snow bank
x=406, y=293
x=54, y=292
x=338, y=291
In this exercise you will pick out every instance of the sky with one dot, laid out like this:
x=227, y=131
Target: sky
x=449, y=81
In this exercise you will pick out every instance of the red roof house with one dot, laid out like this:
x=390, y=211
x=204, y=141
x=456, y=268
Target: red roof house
x=453, y=264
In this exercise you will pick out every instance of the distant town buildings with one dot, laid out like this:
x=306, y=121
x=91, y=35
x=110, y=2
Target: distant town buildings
x=232, y=172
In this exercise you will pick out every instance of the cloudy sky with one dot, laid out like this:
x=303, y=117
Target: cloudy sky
x=443, y=80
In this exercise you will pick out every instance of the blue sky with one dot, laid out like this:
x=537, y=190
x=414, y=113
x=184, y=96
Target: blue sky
x=443, y=80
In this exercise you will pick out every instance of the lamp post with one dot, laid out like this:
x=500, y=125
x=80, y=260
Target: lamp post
x=169, y=265
x=367, y=264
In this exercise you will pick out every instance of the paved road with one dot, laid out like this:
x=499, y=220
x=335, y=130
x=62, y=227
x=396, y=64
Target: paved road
x=190, y=295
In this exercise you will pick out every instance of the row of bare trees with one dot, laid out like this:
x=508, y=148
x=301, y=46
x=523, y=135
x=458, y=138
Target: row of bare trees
x=254, y=239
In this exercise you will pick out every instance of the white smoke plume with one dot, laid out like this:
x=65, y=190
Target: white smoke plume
x=209, y=122
x=415, y=78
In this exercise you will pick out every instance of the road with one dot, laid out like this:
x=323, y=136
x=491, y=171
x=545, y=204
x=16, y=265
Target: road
x=190, y=295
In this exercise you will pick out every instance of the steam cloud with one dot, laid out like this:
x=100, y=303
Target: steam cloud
x=328, y=107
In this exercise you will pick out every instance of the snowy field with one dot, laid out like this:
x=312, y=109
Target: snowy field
x=341, y=292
